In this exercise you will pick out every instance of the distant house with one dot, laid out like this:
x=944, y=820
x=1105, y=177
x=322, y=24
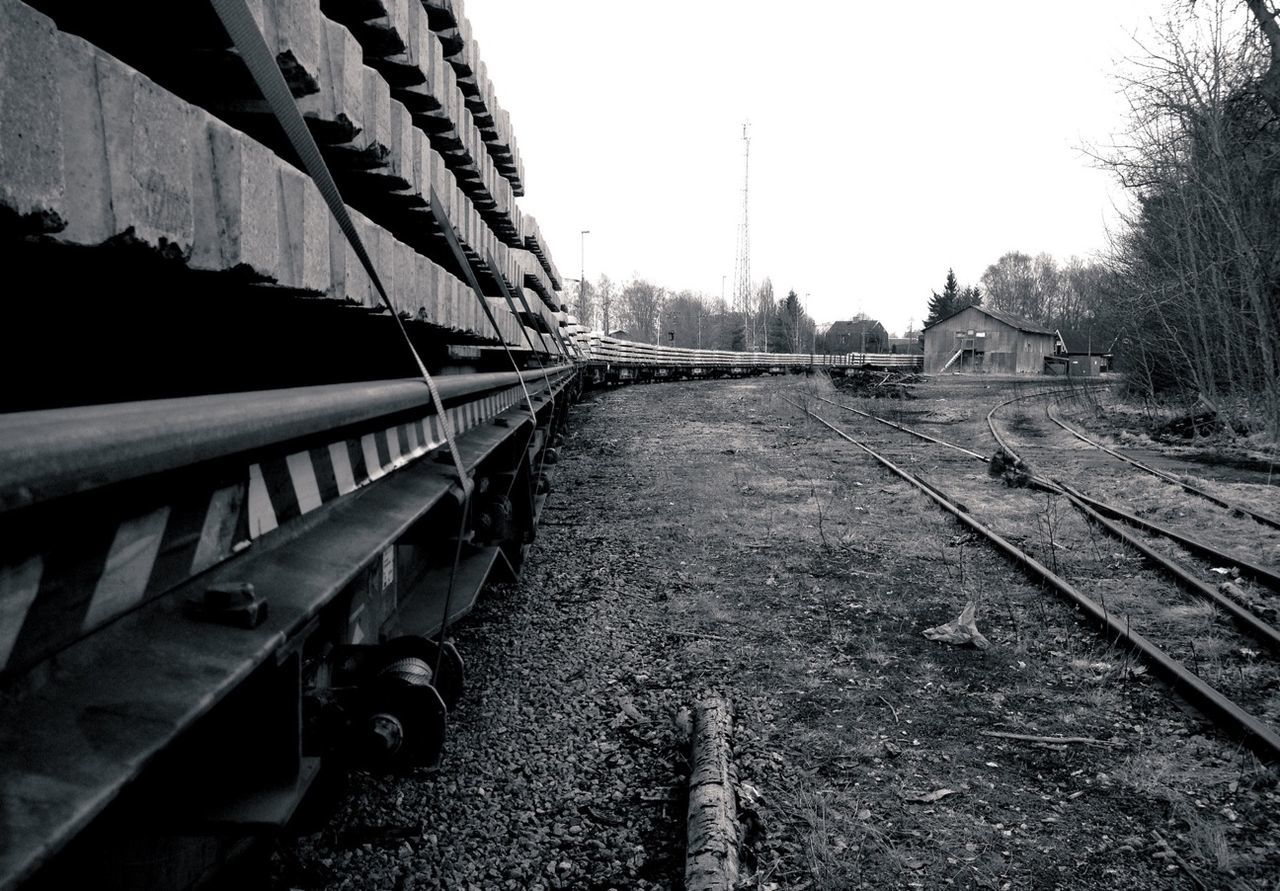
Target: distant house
x=857, y=336
x=620, y=334
x=911, y=341
x=979, y=339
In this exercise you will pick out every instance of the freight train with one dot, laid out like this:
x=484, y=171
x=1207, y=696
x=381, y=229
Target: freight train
x=288, y=371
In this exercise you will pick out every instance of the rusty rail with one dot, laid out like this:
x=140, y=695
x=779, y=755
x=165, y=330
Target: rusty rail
x=1254, y=732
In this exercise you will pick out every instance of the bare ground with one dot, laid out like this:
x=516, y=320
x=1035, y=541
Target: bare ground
x=708, y=536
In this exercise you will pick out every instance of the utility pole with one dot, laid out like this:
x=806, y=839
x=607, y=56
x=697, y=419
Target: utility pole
x=742, y=272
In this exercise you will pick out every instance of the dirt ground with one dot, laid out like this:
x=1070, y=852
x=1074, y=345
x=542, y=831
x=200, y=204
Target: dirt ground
x=707, y=536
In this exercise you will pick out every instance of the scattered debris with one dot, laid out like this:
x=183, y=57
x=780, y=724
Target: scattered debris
x=876, y=384
x=1013, y=470
x=929, y=797
x=960, y=631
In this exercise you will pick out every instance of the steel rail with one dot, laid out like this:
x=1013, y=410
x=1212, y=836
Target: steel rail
x=1241, y=615
x=904, y=429
x=1245, y=618
x=54, y=452
x=1265, y=519
x=1258, y=516
x=1246, y=566
x=1258, y=735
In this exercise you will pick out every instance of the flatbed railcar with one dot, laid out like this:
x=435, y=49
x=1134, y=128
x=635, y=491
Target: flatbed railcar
x=236, y=519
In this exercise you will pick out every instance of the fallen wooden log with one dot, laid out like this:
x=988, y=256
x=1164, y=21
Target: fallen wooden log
x=714, y=834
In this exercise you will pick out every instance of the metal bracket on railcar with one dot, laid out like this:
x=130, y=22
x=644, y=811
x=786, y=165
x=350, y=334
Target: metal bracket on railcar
x=388, y=707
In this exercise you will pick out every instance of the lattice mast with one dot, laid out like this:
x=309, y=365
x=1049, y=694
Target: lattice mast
x=742, y=270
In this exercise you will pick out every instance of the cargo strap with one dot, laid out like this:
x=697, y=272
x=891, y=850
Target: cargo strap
x=451, y=238
x=506, y=295
x=251, y=45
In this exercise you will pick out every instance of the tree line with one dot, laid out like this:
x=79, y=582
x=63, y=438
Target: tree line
x=649, y=313
x=1188, y=293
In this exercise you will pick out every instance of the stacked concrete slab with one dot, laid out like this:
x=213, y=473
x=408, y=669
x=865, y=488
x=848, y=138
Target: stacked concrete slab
x=108, y=135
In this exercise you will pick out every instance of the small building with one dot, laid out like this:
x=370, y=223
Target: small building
x=979, y=339
x=1076, y=364
x=857, y=336
x=911, y=341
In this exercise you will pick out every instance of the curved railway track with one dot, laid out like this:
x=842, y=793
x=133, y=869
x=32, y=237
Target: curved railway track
x=1259, y=516
x=1247, y=568
x=1234, y=718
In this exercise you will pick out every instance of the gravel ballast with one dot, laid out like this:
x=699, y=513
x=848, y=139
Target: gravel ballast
x=706, y=537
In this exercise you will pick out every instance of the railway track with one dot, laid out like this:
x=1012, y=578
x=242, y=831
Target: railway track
x=1234, y=507
x=1162, y=653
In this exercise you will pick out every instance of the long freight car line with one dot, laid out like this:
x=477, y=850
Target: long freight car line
x=1246, y=619
x=1247, y=567
x=1265, y=519
x=1258, y=735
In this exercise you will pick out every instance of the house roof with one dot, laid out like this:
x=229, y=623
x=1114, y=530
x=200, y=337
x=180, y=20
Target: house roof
x=1007, y=318
x=856, y=327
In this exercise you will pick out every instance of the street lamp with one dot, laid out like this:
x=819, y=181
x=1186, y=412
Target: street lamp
x=582, y=282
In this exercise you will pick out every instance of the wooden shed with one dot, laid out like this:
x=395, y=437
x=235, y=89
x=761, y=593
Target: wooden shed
x=979, y=339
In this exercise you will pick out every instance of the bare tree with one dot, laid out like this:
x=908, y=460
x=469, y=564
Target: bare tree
x=641, y=308
x=763, y=314
x=1198, y=263
x=604, y=290
x=582, y=304
x=1269, y=83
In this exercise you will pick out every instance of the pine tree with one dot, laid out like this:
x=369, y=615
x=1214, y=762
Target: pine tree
x=944, y=304
x=952, y=299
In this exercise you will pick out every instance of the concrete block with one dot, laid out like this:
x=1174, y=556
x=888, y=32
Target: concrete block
x=398, y=15
x=293, y=34
x=237, y=201
x=31, y=163
x=400, y=157
x=350, y=281
x=425, y=161
x=444, y=298
x=384, y=261
x=376, y=111
x=443, y=184
x=304, y=232
x=127, y=155
x=451, y=98
x=336, y=109
x=316, y=218
x=426, y=306
x=430, y=60
x=458, y=311
x=405, y=295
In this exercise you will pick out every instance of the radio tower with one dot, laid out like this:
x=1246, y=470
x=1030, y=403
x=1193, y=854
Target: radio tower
x=742, y=273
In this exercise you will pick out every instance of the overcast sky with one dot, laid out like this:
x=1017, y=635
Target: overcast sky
x=889, y=141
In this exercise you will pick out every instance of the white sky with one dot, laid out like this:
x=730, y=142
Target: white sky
x=889, y=141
